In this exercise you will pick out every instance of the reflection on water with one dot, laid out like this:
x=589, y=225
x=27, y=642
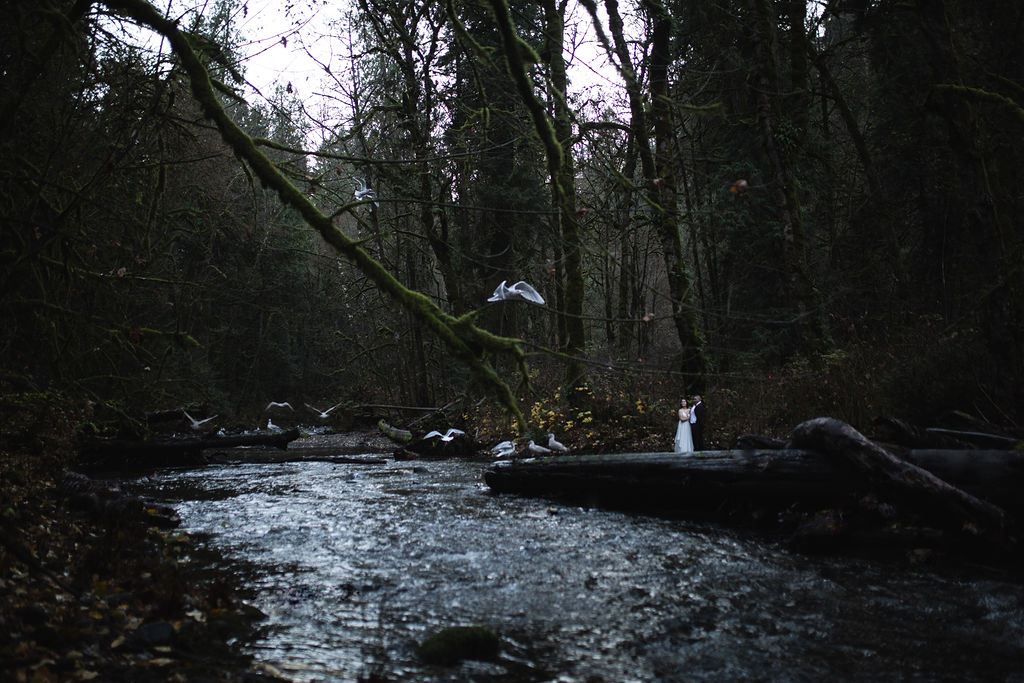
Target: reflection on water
x=357, y=564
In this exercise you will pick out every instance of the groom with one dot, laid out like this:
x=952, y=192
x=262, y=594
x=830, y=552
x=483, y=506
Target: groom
x=697, y=423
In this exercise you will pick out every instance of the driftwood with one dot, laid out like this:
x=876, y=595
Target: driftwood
x=128, y=454
x=827, y=468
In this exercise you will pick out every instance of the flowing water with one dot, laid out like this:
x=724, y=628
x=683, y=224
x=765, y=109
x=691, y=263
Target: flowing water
x=355, y=564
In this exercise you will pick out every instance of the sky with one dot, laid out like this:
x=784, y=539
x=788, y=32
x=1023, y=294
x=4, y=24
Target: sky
x=300, y=22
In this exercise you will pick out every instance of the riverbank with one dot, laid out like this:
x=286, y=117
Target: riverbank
x=96, y=593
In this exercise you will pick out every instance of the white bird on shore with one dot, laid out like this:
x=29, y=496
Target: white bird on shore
x=447, y=436
x=537, y=449
x=275, y=404
x=365, y=192
x=556, y=445
x=520, y=290
x=272, y=427
x=505, y=449
x=194, y=423
x=322, y=414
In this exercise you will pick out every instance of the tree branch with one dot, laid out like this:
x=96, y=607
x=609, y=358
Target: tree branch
x=469, y=343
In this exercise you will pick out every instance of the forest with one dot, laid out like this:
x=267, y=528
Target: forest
x=506, y=217
x=793, y=208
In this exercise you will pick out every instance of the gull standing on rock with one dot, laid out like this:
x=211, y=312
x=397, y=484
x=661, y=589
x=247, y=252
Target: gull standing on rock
x=555, y=445
x=537, y=449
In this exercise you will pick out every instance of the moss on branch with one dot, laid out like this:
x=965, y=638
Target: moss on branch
x=467, y=342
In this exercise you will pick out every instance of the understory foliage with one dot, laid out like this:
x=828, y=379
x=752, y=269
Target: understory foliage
x=793, y=209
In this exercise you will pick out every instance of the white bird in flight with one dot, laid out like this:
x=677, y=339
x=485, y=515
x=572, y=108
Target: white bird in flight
x=275, y=404
x=447, y=436
x=322, y=414
x=556, y=445
x=537, y=449
x=364, y=191
x=505, y=449
x=520, y=290
x=194, y=423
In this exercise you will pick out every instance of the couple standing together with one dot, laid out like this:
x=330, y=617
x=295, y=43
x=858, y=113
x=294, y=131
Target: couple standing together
x=690, y=432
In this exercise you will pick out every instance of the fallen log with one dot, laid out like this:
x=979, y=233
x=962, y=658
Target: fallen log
x=904, y=480
x=399, y=436
x=671, y=482
x=827, y=465
x=783, y=476
x=131, y=454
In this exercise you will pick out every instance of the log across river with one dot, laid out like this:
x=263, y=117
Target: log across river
x=962, y=496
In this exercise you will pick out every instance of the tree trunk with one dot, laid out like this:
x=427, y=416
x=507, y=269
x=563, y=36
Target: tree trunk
x=693, y=364
x=777, y=132
x=564, y=194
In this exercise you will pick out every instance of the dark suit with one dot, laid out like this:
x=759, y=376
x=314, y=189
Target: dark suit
x=697, y=427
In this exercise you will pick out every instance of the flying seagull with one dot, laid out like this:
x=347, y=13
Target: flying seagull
x=194, y=423
x=275, y=404
x=520, y=290
x=537, y=449
x=505, y=449
x=555, y=445
x=365, y=192
x=322, y=414
x=447, y=436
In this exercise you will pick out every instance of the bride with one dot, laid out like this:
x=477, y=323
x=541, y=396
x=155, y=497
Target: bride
x=684, y=438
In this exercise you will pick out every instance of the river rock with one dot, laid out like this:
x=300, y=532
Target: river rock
x=456, y=643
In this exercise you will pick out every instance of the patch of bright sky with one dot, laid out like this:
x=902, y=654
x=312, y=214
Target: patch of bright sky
x=286, y=44
x=281, y=37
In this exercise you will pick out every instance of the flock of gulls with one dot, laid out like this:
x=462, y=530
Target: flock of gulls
x=505, y=449
x=521, y=291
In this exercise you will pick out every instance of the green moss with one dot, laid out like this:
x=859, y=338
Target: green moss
x=456, y=643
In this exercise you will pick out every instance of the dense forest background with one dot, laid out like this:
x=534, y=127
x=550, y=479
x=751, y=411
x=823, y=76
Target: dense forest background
x=795, y=208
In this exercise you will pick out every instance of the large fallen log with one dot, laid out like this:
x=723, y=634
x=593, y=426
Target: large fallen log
x=672, y=482
x=132, y=454
x=825, y=467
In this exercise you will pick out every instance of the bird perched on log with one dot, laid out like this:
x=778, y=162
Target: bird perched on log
x=195, y=424
x=273, y=427
x=364, y=191
x=537, y=449
x=556, y=445
x=322, y=414
x=520, y=290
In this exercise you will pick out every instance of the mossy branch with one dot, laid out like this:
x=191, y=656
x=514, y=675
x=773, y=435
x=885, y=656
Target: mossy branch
x=467, y=342
x=983, y=96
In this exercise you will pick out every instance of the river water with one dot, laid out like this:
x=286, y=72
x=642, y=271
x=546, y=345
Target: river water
x=354, y=564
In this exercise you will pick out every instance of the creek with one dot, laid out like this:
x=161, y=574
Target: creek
x=355, y=564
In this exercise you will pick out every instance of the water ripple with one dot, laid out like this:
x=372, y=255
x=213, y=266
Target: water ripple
x=357, y=565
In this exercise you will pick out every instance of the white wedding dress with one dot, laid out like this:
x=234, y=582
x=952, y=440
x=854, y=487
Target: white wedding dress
x=684, y=437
